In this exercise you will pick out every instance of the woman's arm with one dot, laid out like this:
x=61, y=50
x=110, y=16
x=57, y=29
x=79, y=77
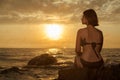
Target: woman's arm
x=102, y=39
x=77, y=61
x=78, y=41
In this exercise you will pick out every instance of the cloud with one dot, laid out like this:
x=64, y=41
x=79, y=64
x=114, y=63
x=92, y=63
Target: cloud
x=61, y=11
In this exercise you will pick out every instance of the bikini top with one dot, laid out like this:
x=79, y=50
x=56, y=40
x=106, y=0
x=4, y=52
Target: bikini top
x=93, y=44
x=84, y=42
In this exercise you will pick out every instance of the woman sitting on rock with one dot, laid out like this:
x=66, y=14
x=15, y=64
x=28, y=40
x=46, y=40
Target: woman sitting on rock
x=89, y=42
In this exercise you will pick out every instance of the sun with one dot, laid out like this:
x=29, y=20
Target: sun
x=53, y=31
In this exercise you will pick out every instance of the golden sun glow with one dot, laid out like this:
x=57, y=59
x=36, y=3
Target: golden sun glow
x=53, y=31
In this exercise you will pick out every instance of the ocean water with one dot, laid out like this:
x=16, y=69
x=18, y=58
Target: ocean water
x=20, y=56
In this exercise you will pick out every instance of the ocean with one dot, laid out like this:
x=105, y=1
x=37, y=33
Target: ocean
x=20, y=56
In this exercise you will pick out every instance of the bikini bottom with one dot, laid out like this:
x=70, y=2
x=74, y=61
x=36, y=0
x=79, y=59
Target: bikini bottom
x=92, y=64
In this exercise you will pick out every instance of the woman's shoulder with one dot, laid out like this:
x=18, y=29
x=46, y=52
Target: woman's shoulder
x=82, y=30
x=100, y=33
x=99, y=30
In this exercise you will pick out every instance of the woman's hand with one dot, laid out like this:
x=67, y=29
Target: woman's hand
x=77, y=62
x=78, y=53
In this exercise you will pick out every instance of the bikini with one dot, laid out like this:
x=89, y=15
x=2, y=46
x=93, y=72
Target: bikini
x=91, y=64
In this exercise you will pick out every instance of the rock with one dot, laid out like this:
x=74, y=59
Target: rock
x=77, y=74
x=14, y=73
x=111, y=72
x=13, y=69
x=44, y=59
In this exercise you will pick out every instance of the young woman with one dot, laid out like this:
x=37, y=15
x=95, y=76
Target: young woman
x=89, y=42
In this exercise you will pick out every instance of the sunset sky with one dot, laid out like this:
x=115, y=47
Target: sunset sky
x=23, y=22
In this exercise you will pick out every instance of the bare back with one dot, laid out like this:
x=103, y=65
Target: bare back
x=91, y=34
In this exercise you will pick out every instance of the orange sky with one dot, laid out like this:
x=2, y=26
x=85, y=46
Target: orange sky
x=35, y=36
x=21, y=22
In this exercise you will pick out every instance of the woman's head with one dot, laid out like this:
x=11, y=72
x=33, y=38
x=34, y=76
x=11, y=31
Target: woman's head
x=90, y=17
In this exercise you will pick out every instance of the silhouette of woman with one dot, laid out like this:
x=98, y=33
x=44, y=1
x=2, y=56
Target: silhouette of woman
x=89, y=42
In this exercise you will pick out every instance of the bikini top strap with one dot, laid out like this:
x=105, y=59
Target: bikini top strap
x=93, y=46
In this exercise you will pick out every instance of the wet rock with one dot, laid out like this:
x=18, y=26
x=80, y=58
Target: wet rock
x=13, y=69
x=14, y=73
x=110, y=72
x=44, y=59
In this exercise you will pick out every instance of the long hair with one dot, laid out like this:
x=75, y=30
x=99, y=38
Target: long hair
x=91, y=16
